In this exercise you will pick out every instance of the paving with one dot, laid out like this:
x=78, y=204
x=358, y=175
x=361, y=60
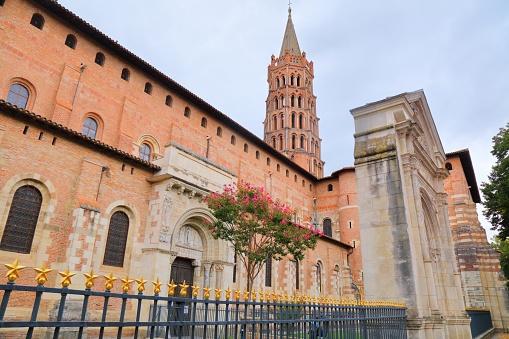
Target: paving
x=500, y=336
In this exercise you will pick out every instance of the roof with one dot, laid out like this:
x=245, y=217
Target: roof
x=21, y=114
x=468, y=169
x=93, y=33
x=336, y=173
x=290, y=39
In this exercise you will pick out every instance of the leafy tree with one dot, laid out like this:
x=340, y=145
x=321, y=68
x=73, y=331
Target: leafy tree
x=496, y=190
x=503, y=247
x=257, y=227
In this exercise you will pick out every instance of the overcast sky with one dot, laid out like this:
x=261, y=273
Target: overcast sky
x=457, y=51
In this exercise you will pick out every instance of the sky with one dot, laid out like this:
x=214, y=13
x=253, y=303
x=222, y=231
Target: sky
x=363, y=51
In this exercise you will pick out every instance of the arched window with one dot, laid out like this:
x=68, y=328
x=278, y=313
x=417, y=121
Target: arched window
x=246, y=148
x=71, y=41
x=268, y=161
x=116, y=241
x=292, y=78
x=233, y=140
x=148, y=88
x=274, y=142
x=22, y=220
x=287, y=173
x=219, y=132
x=277, y=83
x=187, y=112
x=303, y=183
x=329, y=187
x=280, y=142
x=298, y=81
x=282, y=121
x=18, y=95
x=284, y=80
x=283, y=101
x=276, y=103
x=90, y=128
x=100, y=58
x=295, y=178
x=293, y=141
x=257, y=155
x=327, y=227
x=268, y=272
x=301, y=118
x=204, y=122
x=301, y=141
x=292, y=101
x=145, y=152
x=448, y=166
x=293, y=120
x=299, y=102
x=37, y=21
x=274, y=127
x=278, y=167
x=169, y=101
x=319, y=276
x=125, y=75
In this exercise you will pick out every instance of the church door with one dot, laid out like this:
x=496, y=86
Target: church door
x=181, y=270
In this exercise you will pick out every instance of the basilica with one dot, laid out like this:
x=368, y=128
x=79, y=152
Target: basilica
x=105, y=163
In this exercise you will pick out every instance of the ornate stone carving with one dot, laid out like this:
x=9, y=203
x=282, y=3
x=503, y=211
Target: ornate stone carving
x=164, y=232
x=189, y=237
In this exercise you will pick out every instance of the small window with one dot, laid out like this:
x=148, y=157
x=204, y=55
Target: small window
x=233, y=140
x=268, y=272
x=350, y=224
x=18, y=95
x=187, y=112
x=148, y=88
x=89, y=128
x=278, y=167
x=327, y=227
x=295, y=178
x=169, y=101
x=204, y=122
x=37, y=21
x=145, y=152
x=303, y=183
x=116, y=241
x=448, y=166
x=257, y=155
x=329, y=187
x=71, y=41
x=99, y=59
x=22, y=220
x=126, y=74
x=287, y=173
x=246, y=148
x=268, y=161
x=319, y=276
x=219, y=132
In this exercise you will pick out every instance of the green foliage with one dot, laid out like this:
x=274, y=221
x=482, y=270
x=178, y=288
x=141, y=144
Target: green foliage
x=257, y=227
x=503, y=247
x=496, y=190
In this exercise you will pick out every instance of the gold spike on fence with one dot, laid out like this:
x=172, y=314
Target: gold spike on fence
x=14, y=269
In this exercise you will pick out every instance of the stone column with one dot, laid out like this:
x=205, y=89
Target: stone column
x=206, y=275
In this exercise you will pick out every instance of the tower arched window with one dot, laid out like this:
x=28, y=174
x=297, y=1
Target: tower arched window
x=292, y=79
x=274, y=142
x=99, y=59
x=277, y=82
x=293, y=120
x=125, y=75
x=274, y=127
x=37, y=21
x=280, y=142
x=301, y=120
x=283, y=101
x=145, y=152
x=327, y=227
x=302, y=141
x=299, y=102
x=276, y=103
x=90, y=128
x=282, y=121
x=187, y=112
x=169, y=101
x=71, y=41
x=148, y=88
x=116, y=241
x=204, y=122
x=293, y=141
x=219, y=132
x=22, y=220
x=233, y=140
x=284, y=80
x=18, y=95
x=298, y=81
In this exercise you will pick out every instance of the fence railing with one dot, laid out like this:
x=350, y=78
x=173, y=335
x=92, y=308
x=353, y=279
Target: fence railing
x=94, y=314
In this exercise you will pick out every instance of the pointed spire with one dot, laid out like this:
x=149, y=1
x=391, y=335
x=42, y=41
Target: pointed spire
x=290, y=40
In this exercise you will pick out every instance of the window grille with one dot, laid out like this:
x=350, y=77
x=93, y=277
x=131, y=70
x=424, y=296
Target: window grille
x=117, y=240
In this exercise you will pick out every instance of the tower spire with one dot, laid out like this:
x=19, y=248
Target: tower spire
x=290, y=41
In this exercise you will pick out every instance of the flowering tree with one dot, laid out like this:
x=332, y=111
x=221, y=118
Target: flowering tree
x=258, y=227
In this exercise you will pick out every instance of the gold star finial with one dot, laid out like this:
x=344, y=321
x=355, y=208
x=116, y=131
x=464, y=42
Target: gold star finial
x=171, y=288
x=126, y=283
x=13, y=272
x=183, y=289
x=218, y=293
x=196, y=289
x=66, y=277
x=90, y=278
x=157, y=286
x=228, y=293
x=206, y=292
x=141, y=284
x=42, y=276
x=109, y=281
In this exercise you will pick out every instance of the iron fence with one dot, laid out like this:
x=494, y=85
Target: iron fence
x=138, y=316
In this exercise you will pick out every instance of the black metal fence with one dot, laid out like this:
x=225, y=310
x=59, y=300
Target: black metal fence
x=480, y=321
x=92, y=314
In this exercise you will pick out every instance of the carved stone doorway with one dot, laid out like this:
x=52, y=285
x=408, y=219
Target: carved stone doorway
x=181, y=270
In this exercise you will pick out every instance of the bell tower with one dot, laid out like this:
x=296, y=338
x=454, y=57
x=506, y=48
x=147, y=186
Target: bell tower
x=291, y=124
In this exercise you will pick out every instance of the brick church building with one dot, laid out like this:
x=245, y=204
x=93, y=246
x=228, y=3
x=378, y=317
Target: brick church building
x=105, y=163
